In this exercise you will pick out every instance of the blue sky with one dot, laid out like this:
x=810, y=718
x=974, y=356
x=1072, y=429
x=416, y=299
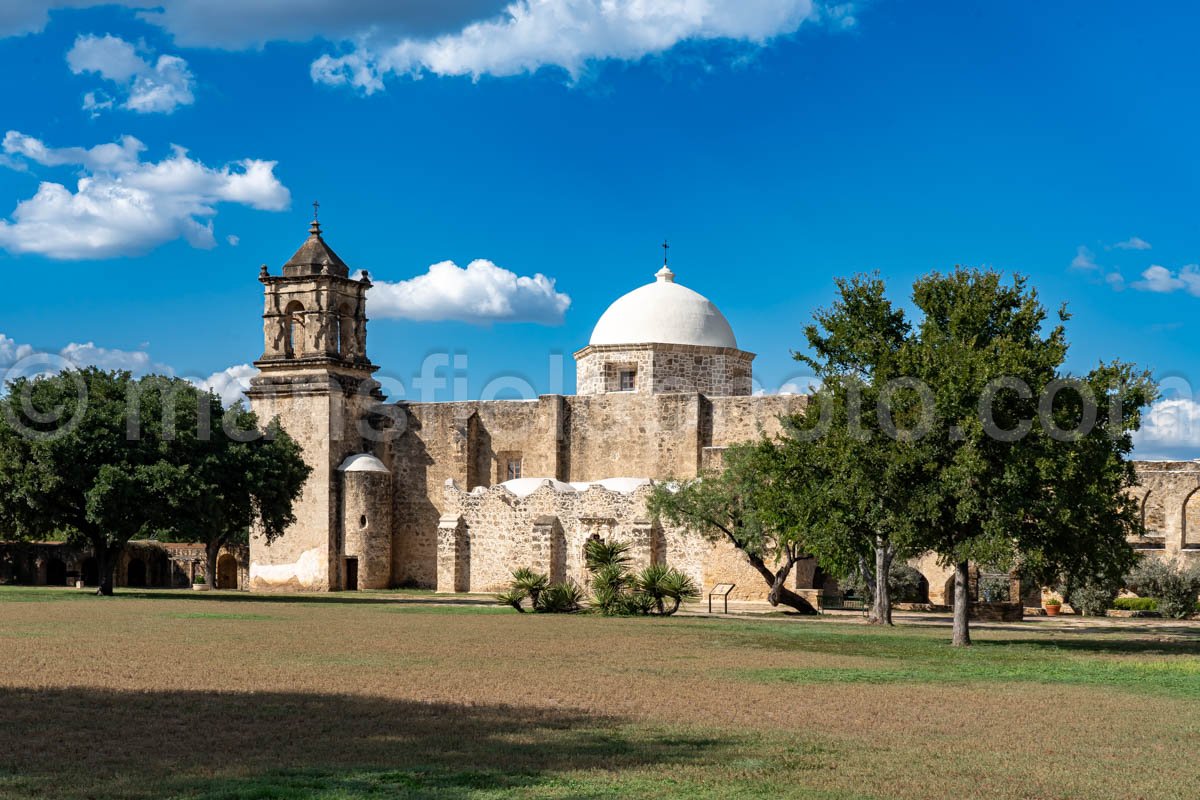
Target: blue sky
x=776, y=144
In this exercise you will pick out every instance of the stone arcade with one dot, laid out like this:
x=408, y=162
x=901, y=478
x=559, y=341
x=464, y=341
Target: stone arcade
x=454, y=495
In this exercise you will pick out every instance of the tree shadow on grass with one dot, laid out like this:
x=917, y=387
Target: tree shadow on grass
x=1161, y=640
x=86, y=743
x=338, y=598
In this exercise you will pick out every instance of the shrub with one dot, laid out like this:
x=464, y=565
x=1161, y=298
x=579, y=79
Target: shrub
x=1175, y=587
x=199, y=578
x=544, y=597
x=1094, y=597
x=1136, y=604
x=661, y=584
x=1052, y=601
x=904, y=585
x=995, y=587
x=656, y=589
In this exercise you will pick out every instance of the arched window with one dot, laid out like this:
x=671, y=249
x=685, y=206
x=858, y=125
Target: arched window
x=294, y=327
x=346, y=348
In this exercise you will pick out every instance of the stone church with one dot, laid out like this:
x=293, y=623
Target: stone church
x=455, y=495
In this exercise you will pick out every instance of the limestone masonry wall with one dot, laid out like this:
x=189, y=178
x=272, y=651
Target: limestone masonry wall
x=664, y=368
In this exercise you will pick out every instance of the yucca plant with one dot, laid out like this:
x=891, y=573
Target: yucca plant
x=526, y=585
x=531, y=583
x=663, y=585
x=598, y=553
x=565, y=597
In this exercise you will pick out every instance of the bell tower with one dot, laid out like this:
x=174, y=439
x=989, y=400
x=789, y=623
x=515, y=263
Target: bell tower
x=315, y=378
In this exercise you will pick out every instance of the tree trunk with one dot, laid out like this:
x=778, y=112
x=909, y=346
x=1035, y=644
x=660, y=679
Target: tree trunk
x=962, y=604
x=211, y=551
x=106, y=565
x=881, y=607
x=780, y=593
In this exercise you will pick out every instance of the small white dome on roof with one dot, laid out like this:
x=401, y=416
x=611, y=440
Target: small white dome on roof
x=663, y=312
x=362, y=462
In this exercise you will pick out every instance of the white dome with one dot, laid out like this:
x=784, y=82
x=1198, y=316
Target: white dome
x=362, y=462
x=664, y=312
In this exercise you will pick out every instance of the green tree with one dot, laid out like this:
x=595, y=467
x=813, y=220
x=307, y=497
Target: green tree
x=101, y=458
x=87, y=454
x=764, y=502
x=871, y=478
x=236, y=479
x=1022, y=462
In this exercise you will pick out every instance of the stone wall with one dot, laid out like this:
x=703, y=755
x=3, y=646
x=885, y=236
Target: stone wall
x=488, y=532
x=143, y=564
x=1169, y=504
x=568, y=438
x=664, y=368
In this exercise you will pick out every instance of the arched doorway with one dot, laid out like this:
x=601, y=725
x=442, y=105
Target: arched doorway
x=135, y=573
x=227, y=572
x=1191, y=520
x=90, y=572
x=1154, y=515
x=56, y=572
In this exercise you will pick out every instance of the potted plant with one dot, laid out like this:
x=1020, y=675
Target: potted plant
x=199, y=583
x=1052, y=605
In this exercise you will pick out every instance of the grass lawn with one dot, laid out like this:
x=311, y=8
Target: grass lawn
x=226, y=695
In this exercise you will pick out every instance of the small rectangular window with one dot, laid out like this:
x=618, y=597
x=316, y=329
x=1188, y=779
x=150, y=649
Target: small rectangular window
x=513, y=469
x=627, y=380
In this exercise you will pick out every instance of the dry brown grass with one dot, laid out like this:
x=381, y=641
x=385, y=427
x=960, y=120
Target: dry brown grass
x=232, y=696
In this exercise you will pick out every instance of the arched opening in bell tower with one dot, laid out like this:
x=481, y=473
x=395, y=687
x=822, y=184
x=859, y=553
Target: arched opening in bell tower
x=294, y=326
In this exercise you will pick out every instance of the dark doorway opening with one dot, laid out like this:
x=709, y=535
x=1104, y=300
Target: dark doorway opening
x=56, y=572
x=352, y=574
x=91, y=572
x=227, y=572
x=135, y=574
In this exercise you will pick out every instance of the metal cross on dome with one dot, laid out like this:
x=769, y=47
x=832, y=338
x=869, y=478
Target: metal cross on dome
x=665, y=248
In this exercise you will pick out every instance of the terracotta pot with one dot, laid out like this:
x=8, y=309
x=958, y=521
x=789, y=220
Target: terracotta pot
x=1052, y=611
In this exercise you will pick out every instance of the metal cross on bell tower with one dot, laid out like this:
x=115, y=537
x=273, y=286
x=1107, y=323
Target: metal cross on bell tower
x=665, y=248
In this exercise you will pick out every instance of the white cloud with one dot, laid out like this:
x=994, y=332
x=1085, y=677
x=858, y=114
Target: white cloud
x=11, y=352
x=233, y=240
x=1084, y=259
x=480, y=294
x=121, y=156
x=237, y=24
x=569, y=34
x=1170, y=430
x=1133, y=243
x=1157, y=278
x=460, y=37
x=27, y=359
x=230, y=384
x=123, y=206
x=158, y=86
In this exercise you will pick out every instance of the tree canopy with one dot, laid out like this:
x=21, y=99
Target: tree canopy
x=99, y=458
